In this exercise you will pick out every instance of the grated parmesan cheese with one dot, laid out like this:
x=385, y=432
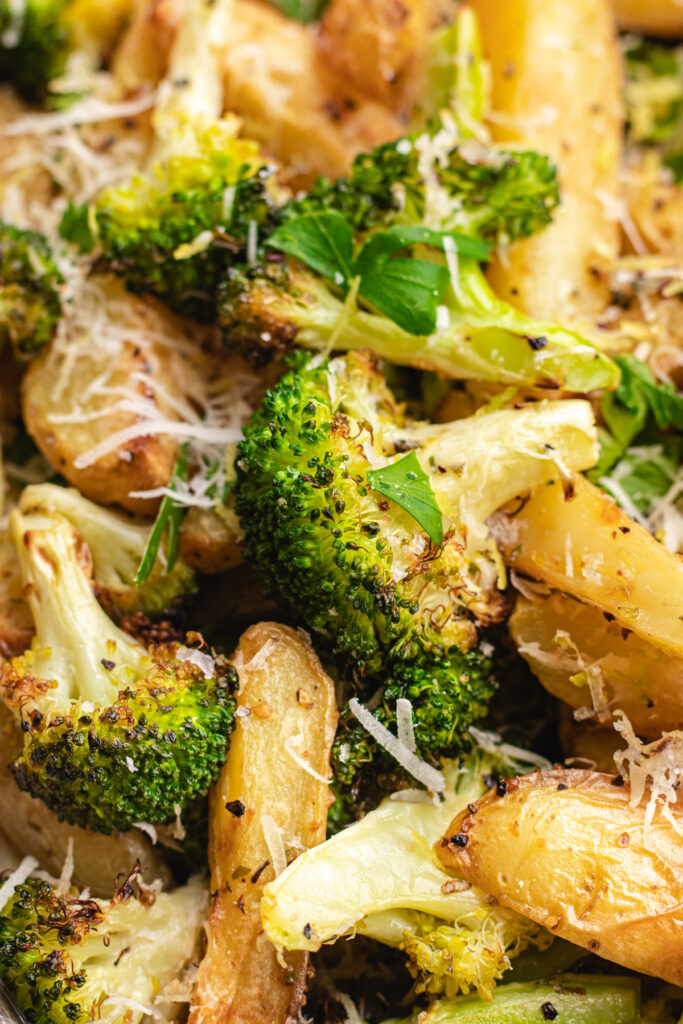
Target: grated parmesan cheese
x=405, y=729
x=420, y=770
x=203, y=661
x=302, y=761
x=490, y=742
x=149, y=831
x=18, y=877
x=272, y=833
x=64, y=883
x=657, y=766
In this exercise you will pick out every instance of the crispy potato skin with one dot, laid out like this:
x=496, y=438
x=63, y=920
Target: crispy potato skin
x=33, y=830
x=210, y=542
x=652, y=17
x=288, y=695
x=290, y=101
x=375, y=46
x=575, y=860
x=557, y=86
x=561, y=638
x=16, y=621
x=585, y=545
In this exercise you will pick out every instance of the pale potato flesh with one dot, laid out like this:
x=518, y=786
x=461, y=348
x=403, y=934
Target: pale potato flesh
x=288, y=700
x=575, y=538
x=566, y=643
x=565, y=848
x=556, y=88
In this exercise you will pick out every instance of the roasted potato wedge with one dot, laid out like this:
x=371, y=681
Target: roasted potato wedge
x=575, y=538
x=587, y=744
x=566, y=849
x=212, y=542
x=141, y=57
x=376, y=46
x=291, y=102
x=16, y=621
x=265, y=796
x=576, y=650
x=651, y=17
x=33, y=830
x=556, y=87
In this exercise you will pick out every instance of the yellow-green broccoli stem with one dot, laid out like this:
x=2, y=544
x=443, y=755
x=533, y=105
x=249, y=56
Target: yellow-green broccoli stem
x=114, y=733
x=478, y=336
x=408, y=900
x=117, y=545
x=62, y=956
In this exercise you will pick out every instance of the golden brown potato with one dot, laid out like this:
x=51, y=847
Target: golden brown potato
x=566, y=849
x=576, y=649
x=587, y=745
x=34, y=831
x=212, y=542
x=652, y=17
x=16, y=621
x=655, y=207
x=582, y=543
x=264, y=796
x=142, y=55
x=376, y=46
x=290, y=102
x=556, y=87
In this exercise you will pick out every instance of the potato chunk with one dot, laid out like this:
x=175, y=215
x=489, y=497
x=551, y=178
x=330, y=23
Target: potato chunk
x=557, y=87
x=576, y=650
x=271, y=791
x=652, y=17
x=581, y=542
x=566, y=849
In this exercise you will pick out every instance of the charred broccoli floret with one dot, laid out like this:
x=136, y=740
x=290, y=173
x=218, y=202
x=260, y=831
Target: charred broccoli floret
x=115, y=732
x=60, y=954
x=30, y=304
x=117, y=545
x=34, y=45
x=454, y=938
x=395, y=595
x=356, y=567
x=174, y=231
x=410, y=197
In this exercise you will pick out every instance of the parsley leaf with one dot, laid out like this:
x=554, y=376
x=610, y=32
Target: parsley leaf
x=74, y=227
x=385, y=244
x=170, y=515
x=324, y=241
x=408, y=292
x=406, y=483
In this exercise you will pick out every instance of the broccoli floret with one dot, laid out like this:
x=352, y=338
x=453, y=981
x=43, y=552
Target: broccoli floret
x=455, y=939
x=654, y=92
x=356, y=568
x=62, y=956
x=30, y=304
x=34, y=44
x=579, y=998
x=172, y=232
x=398, y=609
x=447, y=694
x=115, y=732
x=117, y=545
x=424, y=182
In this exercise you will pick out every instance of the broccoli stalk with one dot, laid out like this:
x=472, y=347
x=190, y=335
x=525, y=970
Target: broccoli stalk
x=117, y=545
x=478, y=335
x=30, y=304
x=455, y=939
x=115, y=733
x=571, y=998
x=34, y=44
x=63, y=956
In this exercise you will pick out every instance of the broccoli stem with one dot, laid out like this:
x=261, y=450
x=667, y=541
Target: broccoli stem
x=484, y=338
x=571, y=999
x=76, y=644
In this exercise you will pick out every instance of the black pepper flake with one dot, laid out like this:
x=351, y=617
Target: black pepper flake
x=109, y=665
x=618, y=781
x=459, y=839
x=536, y=343
x=561, y=786
x=240, y=905
x=624, y=529
x=549, y=1012
x=501, y=787
x=308, y=931
x=259, y=871
x=235, y=807
x=608, y=616
x=489, y=780
x=472, y=808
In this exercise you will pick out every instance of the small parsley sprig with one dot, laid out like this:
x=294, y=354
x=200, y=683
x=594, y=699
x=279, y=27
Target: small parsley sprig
x=407, y=290
x=406, y=483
